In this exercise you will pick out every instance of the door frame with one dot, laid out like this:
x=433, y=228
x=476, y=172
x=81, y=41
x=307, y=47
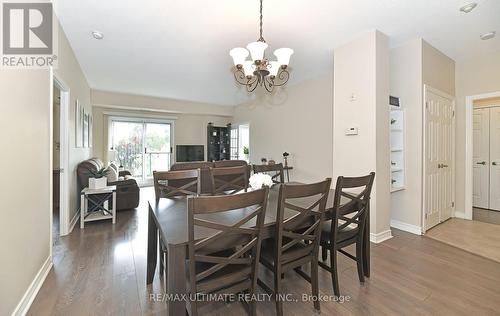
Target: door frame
x=237, y=125
x=64, y=220
x=469, y=107
x=426, y=90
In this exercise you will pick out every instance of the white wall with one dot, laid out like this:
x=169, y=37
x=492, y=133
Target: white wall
x=406, y=83
x=412, y=65
x=438, y=70
x=297, y=120
x=147, y=103
x=362, y=71
x=26, y=124
x=475, y=75
x=71, y=74
x=26, y=202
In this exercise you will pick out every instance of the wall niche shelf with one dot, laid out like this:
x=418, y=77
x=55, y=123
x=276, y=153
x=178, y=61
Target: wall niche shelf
x=397, y=149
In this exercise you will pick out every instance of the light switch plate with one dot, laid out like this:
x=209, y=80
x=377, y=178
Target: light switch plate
x=351, y=131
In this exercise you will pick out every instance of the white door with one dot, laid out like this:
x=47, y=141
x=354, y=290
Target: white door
x=480, y=157
x=494, y=176
x=439, y=157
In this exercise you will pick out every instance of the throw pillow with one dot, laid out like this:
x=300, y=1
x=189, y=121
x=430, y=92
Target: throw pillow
x=112, y=174
x=114, y=166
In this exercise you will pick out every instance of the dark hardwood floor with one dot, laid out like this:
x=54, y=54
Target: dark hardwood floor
x=101, y=270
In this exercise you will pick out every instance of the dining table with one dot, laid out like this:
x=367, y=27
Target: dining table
x=168, y=220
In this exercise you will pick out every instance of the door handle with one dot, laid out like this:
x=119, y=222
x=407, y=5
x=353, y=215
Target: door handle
x=481, y=163
x=494, y=163
x=439, y=166
x=444, y=166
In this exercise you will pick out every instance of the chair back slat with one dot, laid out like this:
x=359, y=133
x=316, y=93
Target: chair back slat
x=231, y=227
x=303, y=228
x=350, y=209
x=275, y=171
x=166, y=187
x=229, y=180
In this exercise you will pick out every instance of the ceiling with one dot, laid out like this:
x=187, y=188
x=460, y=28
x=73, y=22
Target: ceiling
x=179, y=49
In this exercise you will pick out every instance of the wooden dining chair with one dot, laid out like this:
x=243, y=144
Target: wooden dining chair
x=169, y=184
x=350, y=211
x=275, y=171
x=225, y=259
x=229, y=180
x=296, y=242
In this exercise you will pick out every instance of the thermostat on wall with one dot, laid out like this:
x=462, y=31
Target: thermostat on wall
x=351, y=131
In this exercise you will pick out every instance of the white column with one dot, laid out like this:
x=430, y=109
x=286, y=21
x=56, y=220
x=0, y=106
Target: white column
x=361, y=100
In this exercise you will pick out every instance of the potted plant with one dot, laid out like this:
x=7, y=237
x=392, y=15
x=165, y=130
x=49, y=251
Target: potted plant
x=97, y=178
x=246, y=152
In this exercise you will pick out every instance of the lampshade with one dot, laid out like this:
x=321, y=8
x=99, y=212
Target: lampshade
x=275, y=67
x=257, y=50
x=239, y=55
x=283, y=55
x=248, y=68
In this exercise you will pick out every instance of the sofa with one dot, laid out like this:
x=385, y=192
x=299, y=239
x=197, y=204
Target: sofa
x=204, y=166
x=127, y=190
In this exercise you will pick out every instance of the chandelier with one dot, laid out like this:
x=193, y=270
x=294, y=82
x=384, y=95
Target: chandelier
x=259, y=71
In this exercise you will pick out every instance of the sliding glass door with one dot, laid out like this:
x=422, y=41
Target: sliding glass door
x=157, y=149
x=127, y=142
x=141, y=146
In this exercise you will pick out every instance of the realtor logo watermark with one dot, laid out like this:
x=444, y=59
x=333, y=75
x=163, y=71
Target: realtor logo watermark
x=29, y=33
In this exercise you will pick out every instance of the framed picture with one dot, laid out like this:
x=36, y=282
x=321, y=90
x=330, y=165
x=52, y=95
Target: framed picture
x=78, y=125
x=85, y=129
x=91, y=123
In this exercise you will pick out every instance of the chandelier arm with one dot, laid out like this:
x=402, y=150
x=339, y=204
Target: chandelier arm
x=240, y=77
x=283, y=77
x=252, y=84
x=269, y=84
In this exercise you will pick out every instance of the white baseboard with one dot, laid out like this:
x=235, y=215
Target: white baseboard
x=417, y=230
x=30, y=294
x=74, y=220
x=380, y=237
x=460, y=214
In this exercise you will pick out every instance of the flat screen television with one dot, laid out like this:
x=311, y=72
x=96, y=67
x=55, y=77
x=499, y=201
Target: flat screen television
x=186, y=153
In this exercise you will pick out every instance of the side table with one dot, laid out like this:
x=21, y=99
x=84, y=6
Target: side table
x=99, y=206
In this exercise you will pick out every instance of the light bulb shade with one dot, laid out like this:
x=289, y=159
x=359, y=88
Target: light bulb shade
x=257, y=50
x=274, y=68
x=283, y=55
x=248, y=67
x=239, y=55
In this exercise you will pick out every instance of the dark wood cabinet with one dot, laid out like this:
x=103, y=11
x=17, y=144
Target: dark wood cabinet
x=218, y=142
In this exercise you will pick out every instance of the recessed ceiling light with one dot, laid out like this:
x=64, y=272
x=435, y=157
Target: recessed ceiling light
x=97, y=35
x=487, y=36
x=469, y=7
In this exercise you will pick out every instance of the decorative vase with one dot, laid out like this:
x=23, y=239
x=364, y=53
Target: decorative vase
x=98, y=183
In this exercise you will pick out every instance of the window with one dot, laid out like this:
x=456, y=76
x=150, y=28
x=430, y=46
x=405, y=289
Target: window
x=141, y=146
x=234, y=143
